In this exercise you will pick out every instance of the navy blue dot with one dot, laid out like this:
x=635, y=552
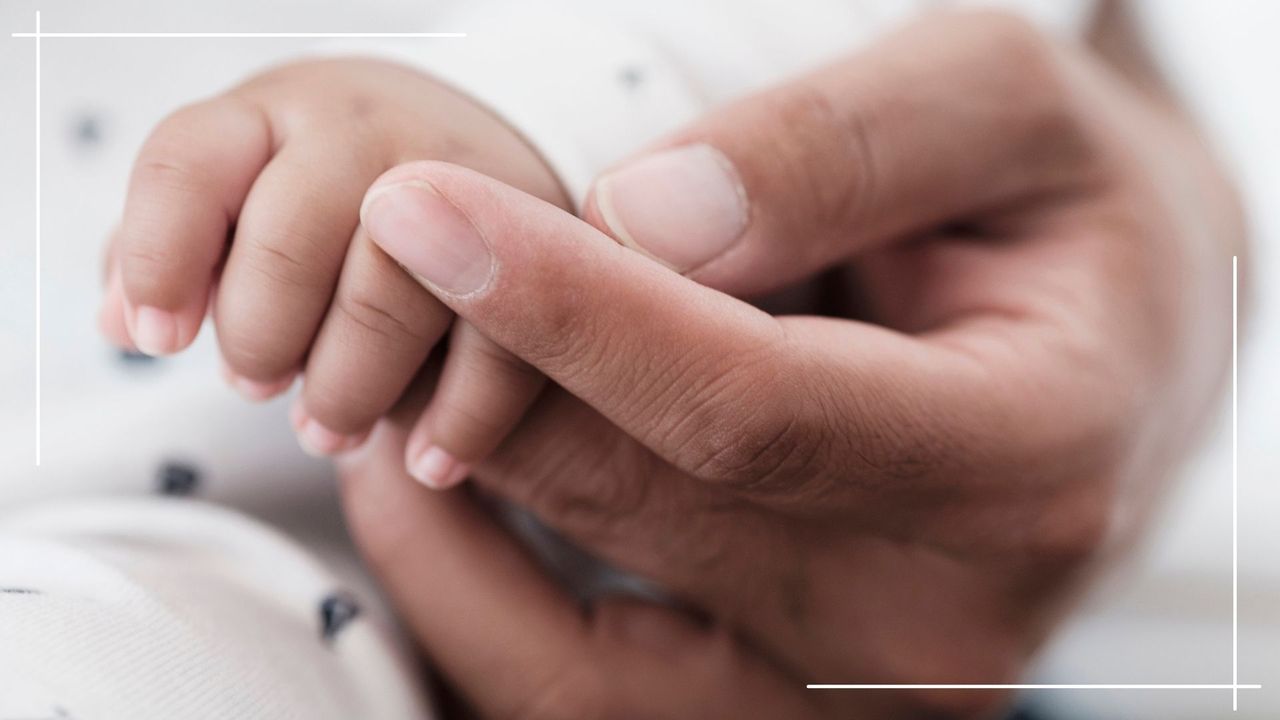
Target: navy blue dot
x=336, y=611
x=631, y=77
x=87, y=129
x=133, y=357
x=176, y=478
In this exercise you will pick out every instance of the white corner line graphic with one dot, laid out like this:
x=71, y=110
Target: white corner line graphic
x=235, y=35
x=1035, y=686
x=1235, y=482
x=39, y=317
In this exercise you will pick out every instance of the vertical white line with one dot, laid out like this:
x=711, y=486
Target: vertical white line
x=39, y=319
x=1235, y=504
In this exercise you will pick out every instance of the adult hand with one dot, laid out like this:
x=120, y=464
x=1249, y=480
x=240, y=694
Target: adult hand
x=1042, y=259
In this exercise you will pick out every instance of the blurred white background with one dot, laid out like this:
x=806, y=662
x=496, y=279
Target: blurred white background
x=1164, y=619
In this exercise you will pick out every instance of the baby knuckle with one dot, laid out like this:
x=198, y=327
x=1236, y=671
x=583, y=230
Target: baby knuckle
x=379, y=316
x=500, y=362
x=177, y=129
x=281, y=263
x=146, y=263
x=465, y=420
x=161, y=169
x=338, y=405
x=248, y=348
x=179, y=153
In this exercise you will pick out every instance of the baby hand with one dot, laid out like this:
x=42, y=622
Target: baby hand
x=255, y=194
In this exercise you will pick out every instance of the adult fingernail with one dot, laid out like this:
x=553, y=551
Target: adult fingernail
x=429, y=236
x=684, y=207
x=437, y=469
x=155, y=331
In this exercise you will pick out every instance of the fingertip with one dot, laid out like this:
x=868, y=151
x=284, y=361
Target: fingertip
x=158, y=332
x=430, y=463
x=155, y=331
x=254, y=390
x=111, y=315
x=591, y=212
x=320, y=441
x=436, y=468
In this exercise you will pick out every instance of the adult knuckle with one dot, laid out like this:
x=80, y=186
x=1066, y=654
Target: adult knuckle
x=596, y=500
x=919, y=666
x=832, y=160
x=1077, y=520
x=558, y=340
x=1076, y=528
x=1032, y=68
x=568, y=342
x=1077, y=543
x=758, y=446
x=886, y=450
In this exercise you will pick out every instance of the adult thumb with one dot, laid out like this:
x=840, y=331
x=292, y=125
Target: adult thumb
x=950, y=115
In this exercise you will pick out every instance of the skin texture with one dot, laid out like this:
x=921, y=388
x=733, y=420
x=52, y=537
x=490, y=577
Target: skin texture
x=1011, y=266
x=255, y=194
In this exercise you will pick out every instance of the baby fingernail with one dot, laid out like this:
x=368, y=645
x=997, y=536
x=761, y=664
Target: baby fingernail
x=428, y=236
x=437, y=469
x=111, y=318
x=252, y=389
x=684, y=206
x=319, y=441
x=155, y=331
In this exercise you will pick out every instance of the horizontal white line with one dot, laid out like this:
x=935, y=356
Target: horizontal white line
x=238, y=35
x=1226, y=686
